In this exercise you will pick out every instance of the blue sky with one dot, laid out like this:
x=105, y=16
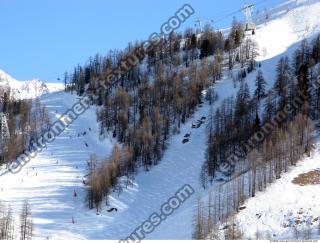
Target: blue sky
x=44, y=38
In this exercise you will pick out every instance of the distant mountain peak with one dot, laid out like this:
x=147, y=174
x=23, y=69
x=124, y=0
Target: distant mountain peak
x=25, y=89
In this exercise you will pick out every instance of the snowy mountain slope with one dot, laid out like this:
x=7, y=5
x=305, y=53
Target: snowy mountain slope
x=27, y=89
x=53, y=203
x=288, y=25
x=275, y=212
x=277, y=43
x=49, y=180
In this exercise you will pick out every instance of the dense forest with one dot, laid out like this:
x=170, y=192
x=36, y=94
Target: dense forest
x=252, y=137
x=150, y=101
x=26, y=120
x=240, y=118
x=266, y=133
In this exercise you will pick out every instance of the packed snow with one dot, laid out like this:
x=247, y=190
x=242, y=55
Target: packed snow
x=50, y=180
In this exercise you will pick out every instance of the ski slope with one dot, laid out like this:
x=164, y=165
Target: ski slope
x=288, y=23
x=50, y=180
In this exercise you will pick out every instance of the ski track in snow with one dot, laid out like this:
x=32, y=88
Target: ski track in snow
x=50, y=191
x=48, y=181
x=49, y=187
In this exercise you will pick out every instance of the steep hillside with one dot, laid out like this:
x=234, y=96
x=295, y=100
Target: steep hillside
x=288, y=209
x=54, y=181
x=287, y=24
x=50, y=180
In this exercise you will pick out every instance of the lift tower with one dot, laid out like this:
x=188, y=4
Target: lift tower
x=247, y=11
x=4, y=133
x=199, y=25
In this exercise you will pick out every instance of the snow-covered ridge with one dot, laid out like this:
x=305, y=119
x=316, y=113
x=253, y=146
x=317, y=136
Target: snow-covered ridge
x=27, y=89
